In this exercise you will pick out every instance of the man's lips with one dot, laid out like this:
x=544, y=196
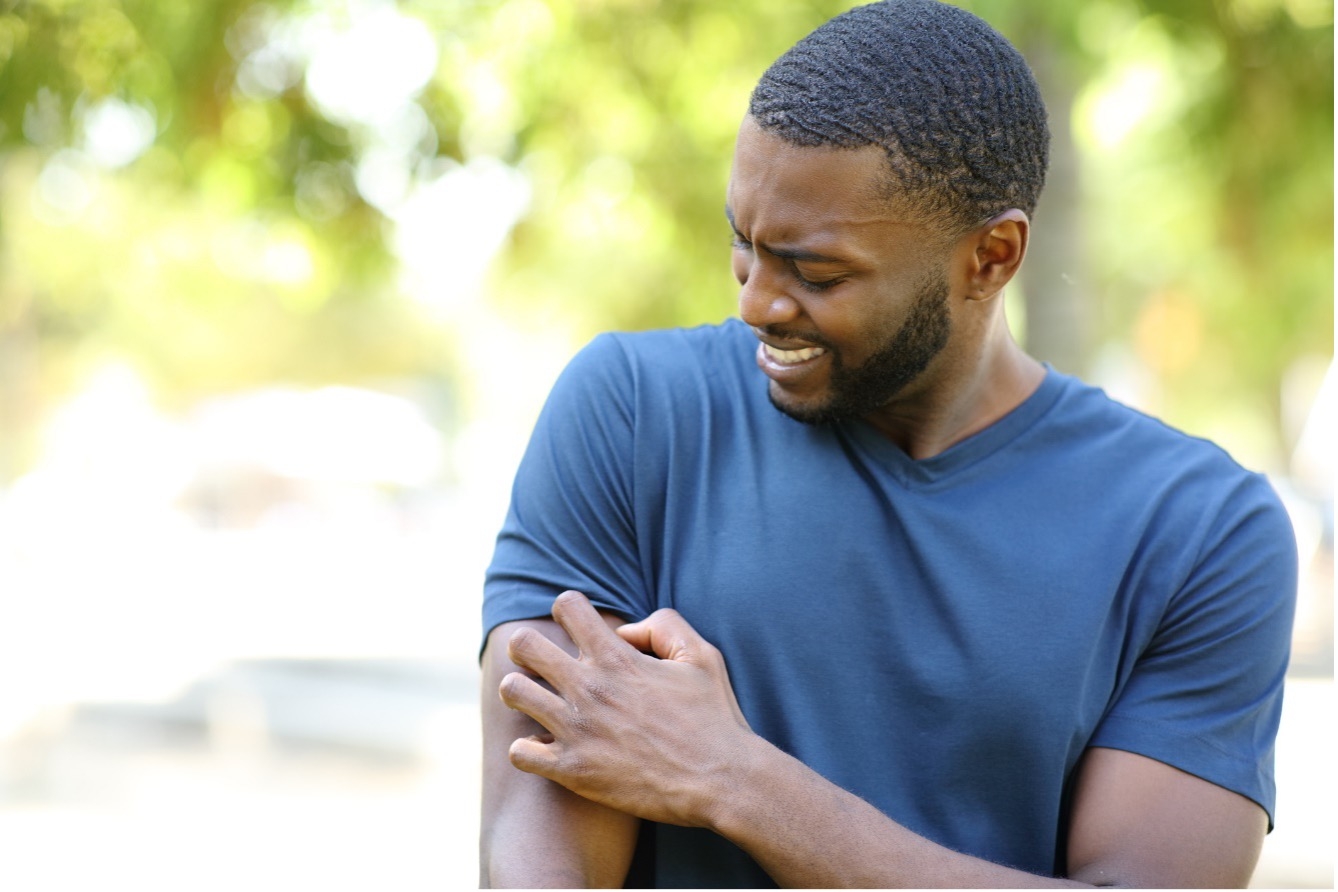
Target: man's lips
x=789, y=363
x=788, y=351
x=792, y=357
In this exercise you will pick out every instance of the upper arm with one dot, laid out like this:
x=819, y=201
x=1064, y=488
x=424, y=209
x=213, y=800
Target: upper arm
x=570, y=525
x=571, y=522
x=1139, y=822
x=534, y=832
x=1176, y=787
x=1205, y=691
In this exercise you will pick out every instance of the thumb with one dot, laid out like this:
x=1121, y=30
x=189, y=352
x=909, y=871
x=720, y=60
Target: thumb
x=667, y=635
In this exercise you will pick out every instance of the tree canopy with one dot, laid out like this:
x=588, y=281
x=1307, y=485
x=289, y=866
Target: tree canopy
x=238, y=192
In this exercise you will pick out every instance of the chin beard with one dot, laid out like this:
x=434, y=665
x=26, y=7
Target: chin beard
x=855, y=393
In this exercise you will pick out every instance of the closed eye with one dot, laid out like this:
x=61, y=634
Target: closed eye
x=809, y=284
x=739, y=243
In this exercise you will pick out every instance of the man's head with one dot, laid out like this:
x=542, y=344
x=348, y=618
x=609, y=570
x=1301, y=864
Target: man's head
x=948, y=99
x=882, y=188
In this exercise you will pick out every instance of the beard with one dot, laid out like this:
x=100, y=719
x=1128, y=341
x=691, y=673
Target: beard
x=856, y=392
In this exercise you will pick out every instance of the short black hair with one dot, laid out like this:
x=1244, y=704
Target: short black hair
x=948, y=98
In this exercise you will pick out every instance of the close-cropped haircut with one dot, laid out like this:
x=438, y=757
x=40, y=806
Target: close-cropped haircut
x=949, y=100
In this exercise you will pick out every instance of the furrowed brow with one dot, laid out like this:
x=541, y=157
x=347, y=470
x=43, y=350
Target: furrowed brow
x=801, y=255
x=784, y=253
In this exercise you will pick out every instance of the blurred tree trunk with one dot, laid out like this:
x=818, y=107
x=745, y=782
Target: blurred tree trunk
x=1060, y=302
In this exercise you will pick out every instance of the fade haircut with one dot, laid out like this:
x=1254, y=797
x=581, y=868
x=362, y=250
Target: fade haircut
x=949, y=100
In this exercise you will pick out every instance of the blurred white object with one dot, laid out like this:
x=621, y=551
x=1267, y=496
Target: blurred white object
x=1316, y=450
x=334, y=434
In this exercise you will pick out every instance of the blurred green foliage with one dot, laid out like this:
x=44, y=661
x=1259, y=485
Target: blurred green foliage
x=183, y=185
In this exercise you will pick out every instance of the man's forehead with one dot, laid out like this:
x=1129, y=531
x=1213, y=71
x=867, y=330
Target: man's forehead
x=852, y=184
x=765, y=159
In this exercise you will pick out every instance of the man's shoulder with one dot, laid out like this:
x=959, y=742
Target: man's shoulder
x=1089, y=409
x=666, y=348
x=1147, y=451
x=660, y=381
x=670, y=363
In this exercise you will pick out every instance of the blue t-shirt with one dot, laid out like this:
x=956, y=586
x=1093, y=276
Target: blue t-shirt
x=942, y=637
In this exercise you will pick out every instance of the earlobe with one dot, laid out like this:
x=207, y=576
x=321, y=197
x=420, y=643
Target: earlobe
x=1000, y=245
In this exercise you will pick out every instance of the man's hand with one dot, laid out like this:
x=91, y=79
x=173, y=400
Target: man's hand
x=654, y=736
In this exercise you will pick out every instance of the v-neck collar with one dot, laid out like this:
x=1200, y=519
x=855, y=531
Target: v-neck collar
x=912, y=472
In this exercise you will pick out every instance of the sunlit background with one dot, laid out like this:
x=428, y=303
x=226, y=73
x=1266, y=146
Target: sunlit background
x=283, y=285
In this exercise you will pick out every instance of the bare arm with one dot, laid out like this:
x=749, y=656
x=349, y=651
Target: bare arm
x=1140, y=822
x=535, y=834
x=1136, y=822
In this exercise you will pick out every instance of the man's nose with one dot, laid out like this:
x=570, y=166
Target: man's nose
x=762, y=302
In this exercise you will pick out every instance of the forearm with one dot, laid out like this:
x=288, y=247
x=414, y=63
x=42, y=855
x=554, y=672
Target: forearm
x=805, y=831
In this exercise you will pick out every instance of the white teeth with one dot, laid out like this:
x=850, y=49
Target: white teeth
x=792, y=356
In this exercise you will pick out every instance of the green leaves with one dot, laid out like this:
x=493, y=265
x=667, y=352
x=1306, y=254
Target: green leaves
x=235, y=191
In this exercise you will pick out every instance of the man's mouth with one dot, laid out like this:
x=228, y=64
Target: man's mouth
x=791, y=357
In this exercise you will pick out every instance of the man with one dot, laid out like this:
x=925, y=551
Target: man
x=983, y=626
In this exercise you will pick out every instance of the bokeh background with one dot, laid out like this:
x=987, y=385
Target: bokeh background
x=283, y=285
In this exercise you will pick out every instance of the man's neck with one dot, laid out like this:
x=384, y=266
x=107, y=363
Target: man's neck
x=963, y=397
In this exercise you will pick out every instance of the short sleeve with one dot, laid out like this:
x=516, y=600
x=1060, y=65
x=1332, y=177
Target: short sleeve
x=570, y=522
x=1206, y=695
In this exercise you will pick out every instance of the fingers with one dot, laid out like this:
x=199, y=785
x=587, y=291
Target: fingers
x=537, y=755
x=526, y=695
x=587, y=629
x=535, y=651
x=669, y=636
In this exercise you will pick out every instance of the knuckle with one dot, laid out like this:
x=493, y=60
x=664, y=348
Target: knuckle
x=618, y=659
x=575, y=764
x=579, y=725
x=599, y=692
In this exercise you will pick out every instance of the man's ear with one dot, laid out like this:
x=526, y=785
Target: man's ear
x=996, y=249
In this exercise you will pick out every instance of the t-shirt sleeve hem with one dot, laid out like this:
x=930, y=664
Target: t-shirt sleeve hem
x=1192, y=755
x=518, y=604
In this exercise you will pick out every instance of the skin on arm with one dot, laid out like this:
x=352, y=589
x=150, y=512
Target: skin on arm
x=663, y=739
x=1137, y=823
x=1184, y=831
x=534, y=833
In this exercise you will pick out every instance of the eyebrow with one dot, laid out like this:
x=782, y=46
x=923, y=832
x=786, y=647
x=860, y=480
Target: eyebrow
x=784, y=253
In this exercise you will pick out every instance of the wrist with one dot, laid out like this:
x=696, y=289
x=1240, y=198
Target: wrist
x=734, y=789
